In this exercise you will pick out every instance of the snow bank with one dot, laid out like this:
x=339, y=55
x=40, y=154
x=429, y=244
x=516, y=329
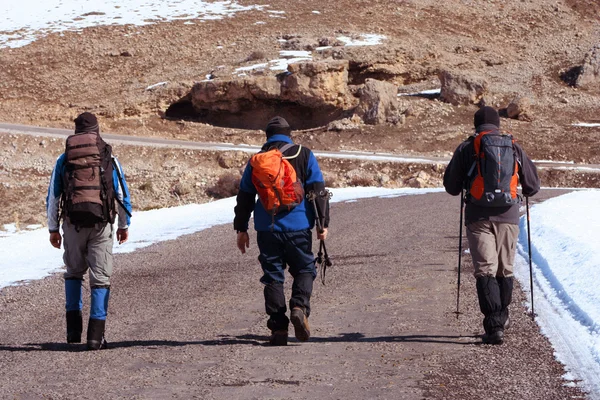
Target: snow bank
x=28, y=255
x=566, y=260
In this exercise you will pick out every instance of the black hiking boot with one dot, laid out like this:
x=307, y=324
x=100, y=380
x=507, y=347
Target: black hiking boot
x=74, y=326
x=279, y=338
x=493, y=338
x=95, y=334
x=300, y=322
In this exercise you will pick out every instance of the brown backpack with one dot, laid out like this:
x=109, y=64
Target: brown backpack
x=88, y=196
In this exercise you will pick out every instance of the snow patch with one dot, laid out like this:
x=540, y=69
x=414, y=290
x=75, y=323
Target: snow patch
x=27, y=255
x=362, y=40
x=587, y=124
x=25, y=21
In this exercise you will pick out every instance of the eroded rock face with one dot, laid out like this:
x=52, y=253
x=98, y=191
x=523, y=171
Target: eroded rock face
x=378, y=102
x=310, y=94
x=461, y=89
x=317, y=84
x=589, y=77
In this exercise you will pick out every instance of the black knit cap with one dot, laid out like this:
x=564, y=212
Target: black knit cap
x=278, y=126
x=486, y=115
x=86, y=122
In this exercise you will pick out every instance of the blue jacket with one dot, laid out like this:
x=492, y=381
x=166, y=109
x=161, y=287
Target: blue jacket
x=55, y=191
x=302, y=217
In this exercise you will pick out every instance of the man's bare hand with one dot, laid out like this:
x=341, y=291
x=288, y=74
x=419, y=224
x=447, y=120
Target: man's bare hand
x=243, y=241
x=322, y=235
x=55, y=239
x=122, y=235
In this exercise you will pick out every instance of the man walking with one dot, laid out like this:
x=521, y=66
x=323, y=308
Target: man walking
x=281, y=174
x=86, y=191
x=489, y=165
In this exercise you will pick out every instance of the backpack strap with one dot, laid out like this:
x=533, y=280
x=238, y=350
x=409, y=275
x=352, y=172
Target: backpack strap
x=289, y=146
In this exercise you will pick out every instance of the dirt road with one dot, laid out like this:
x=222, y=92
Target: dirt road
x=186, y=320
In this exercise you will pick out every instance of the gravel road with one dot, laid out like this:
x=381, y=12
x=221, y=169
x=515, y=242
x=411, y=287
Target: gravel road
x=186, y=320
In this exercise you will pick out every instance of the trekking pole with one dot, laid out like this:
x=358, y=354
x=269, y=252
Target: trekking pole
x=460, y=235
x=530, y=262
x=326, y=261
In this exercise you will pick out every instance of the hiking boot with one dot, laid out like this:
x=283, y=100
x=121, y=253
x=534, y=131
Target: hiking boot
x=300, y=322
x=493, y=338
x=279, y=338
x=95, y=334
x=74, y=326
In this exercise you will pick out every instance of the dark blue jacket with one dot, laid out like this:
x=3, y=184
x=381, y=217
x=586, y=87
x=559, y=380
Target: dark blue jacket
x=302, y=217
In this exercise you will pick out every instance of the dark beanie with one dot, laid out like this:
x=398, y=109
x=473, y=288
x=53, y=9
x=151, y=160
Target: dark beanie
x=278, y=126
x=486, y=115
x=86, y=122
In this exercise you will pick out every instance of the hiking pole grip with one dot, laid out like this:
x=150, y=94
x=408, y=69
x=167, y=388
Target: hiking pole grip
x=530, y=262
x=312, y=197
x=460, y=235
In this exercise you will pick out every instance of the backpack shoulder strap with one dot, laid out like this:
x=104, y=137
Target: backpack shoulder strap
x=289, y=146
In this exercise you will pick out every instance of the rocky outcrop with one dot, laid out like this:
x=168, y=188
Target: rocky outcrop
x=318, y=84
x=461, y=89
x=589, y=74
x=308, y=95
x=378, y=102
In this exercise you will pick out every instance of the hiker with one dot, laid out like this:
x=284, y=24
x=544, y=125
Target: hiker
x=284, y=233
x=87, y=190
x=487, y=166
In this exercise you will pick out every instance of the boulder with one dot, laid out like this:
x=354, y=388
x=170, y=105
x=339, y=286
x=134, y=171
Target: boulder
x=589, y=75
x=232, y=159
x=420, y=180
x=378, y=102
x=461, y=89
x=343, y=125
x=520, y=108
x=318, y=84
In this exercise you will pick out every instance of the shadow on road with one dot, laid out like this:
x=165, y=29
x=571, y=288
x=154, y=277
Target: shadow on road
x=249, y=339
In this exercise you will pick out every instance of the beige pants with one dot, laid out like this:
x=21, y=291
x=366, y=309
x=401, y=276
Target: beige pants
x=492, y=246
x=88, y=248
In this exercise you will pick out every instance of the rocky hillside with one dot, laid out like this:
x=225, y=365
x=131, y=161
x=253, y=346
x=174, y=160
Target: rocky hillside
x=349, y=75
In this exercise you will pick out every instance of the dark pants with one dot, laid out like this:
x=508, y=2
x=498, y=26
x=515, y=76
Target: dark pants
x=279, y=250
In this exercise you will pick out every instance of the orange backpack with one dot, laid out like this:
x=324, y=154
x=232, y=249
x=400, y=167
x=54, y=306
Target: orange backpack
x=494, y=174
x=275, y=180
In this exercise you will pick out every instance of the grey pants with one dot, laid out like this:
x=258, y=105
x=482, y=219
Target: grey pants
x=88, y=248
x=492, y=246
